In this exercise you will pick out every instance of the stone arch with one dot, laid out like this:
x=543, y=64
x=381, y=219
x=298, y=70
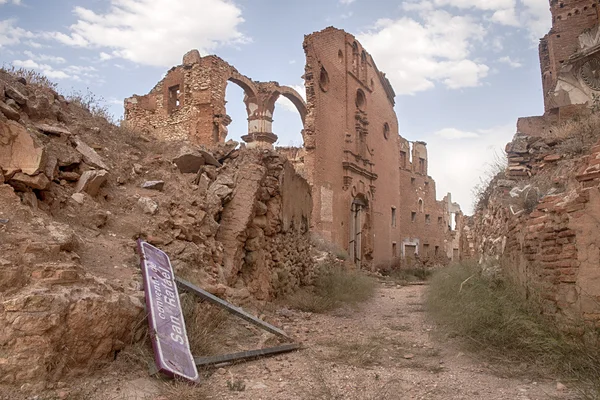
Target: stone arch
x=221, y=117
x=292, y=95
x=296, y=99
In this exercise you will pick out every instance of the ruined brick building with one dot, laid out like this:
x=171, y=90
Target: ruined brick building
x=371, y=190
x=569, y=64
x=541, y=222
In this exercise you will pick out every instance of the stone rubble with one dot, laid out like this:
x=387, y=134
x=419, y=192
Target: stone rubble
x=233, y=221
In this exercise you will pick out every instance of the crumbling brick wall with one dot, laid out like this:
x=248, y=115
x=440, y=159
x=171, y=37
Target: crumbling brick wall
x=550, y=247
x=569, y=19
x=356, y=159
x=367, y=181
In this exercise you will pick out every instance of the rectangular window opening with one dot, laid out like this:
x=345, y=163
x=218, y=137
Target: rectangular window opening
x=393, y=217
x=174, y=100
x=427, y=219
x=413, y=216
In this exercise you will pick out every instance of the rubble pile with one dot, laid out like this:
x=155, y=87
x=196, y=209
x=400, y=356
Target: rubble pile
x=75, y=193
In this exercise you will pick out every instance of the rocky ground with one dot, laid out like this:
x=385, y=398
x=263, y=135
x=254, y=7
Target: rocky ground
x=385, y=349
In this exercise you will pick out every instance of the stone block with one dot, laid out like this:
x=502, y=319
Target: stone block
x=89, y=155
x=91, y=181
x=19, y=150
x=15, y=94
x=21, y=181
x=189, y=161
x=9, y=112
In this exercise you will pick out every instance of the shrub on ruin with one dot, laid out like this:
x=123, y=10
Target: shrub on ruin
x=490, y=314
x=96, y=105
x=203, y=323
x=403, y=271
x=494, y=171
x=32, y=77
x=577, y=135
x=334, y=286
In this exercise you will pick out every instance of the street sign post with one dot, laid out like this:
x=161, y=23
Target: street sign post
x=165, y=317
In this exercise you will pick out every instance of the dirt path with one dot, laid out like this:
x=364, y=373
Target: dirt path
x=384, y=350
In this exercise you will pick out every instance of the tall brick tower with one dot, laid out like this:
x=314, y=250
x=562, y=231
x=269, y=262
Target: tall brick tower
x=572, y=38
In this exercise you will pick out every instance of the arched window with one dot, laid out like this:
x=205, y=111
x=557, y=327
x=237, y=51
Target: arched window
x=355, y=57
x=421, y=206
x=363, y=66
x=361, y=100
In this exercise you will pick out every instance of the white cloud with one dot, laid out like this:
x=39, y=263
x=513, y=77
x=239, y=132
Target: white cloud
x=457, y=165
x=105, y=56
x=536, y=18
x=155, y=32
x=10, y=34
x=346, y=2
x=512, y=63
x=80, y=73
x=532, y=15
x=417, y=55
x=453, y=133
x=44, y=57
x=15, y=2
x=33, y=44
x=478, y=4
x=46, y=69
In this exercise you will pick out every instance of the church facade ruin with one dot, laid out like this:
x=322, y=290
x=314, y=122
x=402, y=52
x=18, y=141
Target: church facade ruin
x=372, y=195
x=570, y=65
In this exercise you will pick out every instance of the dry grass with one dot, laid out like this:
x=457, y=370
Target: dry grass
x=333, y=287
x=96, y=105
x=183, y=391
x=576, y=136
x=493, y=318
x=404, y=276
x=362, y=353
x=32, y=77
x=494, y=170
x=203, y=323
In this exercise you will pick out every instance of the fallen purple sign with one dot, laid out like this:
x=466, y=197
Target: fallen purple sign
x=167, y=327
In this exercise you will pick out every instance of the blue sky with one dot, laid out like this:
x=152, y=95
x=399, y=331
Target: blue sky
x=463, y=70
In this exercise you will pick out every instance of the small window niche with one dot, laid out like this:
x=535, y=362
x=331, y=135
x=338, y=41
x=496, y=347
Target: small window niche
x=174, y=98
x=427, y=219
x=422, y=166
x=402, y=159
x=413, y=216
x=394, y=250
x=361, y=100
x=386, y=131
x=324, y=80
x=393, y=217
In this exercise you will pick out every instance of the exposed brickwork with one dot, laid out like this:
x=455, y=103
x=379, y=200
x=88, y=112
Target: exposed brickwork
x=352, y=120
x=564, y=52
x=372, y=195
